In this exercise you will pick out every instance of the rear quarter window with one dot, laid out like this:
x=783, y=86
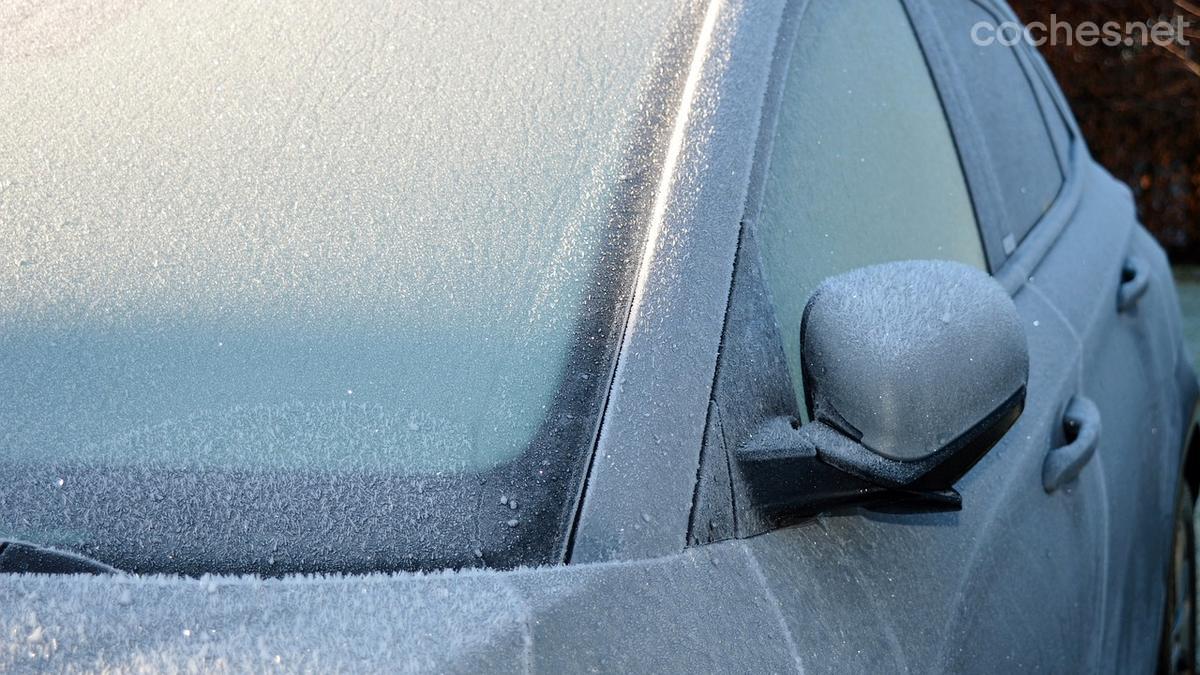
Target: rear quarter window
x=1006, y=106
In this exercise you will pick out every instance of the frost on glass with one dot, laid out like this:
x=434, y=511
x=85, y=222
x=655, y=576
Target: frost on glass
x=1018, y=142
x=327, y=235
x=863, y=166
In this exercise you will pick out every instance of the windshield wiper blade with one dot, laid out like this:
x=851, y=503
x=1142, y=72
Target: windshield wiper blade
x=17, y=557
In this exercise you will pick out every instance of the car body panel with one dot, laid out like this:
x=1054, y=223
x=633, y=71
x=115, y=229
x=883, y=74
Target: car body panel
x=1018, y=579
x=1130, y=367
x=928, y=591
x=702, y=610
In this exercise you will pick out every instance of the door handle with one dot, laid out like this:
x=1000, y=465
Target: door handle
x=1135, y=281
x=1081, y=424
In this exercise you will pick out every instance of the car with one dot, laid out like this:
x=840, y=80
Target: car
x=734, y=336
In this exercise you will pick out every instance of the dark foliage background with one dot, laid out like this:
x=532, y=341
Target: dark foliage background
x=1139, y=108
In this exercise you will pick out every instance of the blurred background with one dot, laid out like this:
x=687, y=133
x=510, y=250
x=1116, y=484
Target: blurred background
x=1140, y=111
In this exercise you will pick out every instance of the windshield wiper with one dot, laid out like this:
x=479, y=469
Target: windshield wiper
x=18, y=556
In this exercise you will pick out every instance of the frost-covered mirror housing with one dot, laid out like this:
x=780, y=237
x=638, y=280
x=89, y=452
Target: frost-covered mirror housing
x=912, y=372
x=908, y=357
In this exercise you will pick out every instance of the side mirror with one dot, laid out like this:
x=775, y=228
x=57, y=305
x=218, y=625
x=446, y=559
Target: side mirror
x=912, y=372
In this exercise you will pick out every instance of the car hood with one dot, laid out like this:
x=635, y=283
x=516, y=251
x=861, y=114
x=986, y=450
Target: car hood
x=692, y=612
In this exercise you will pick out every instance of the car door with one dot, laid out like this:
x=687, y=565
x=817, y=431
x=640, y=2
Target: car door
x=870, y=152
x=1127, y=370
x=1111, y=282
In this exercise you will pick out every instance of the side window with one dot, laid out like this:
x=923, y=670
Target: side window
x=863, y=166
x=1051, y=97
x=1007, y=110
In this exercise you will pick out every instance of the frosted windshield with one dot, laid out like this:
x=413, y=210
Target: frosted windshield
x=341, y=235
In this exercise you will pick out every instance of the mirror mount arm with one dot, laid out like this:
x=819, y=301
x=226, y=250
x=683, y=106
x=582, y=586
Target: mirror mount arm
x=818, y=468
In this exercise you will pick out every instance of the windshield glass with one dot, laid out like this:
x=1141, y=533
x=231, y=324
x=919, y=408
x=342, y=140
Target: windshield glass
x=331, y=287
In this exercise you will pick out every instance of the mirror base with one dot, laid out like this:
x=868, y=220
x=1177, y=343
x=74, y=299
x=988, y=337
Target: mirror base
x=817, y=468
